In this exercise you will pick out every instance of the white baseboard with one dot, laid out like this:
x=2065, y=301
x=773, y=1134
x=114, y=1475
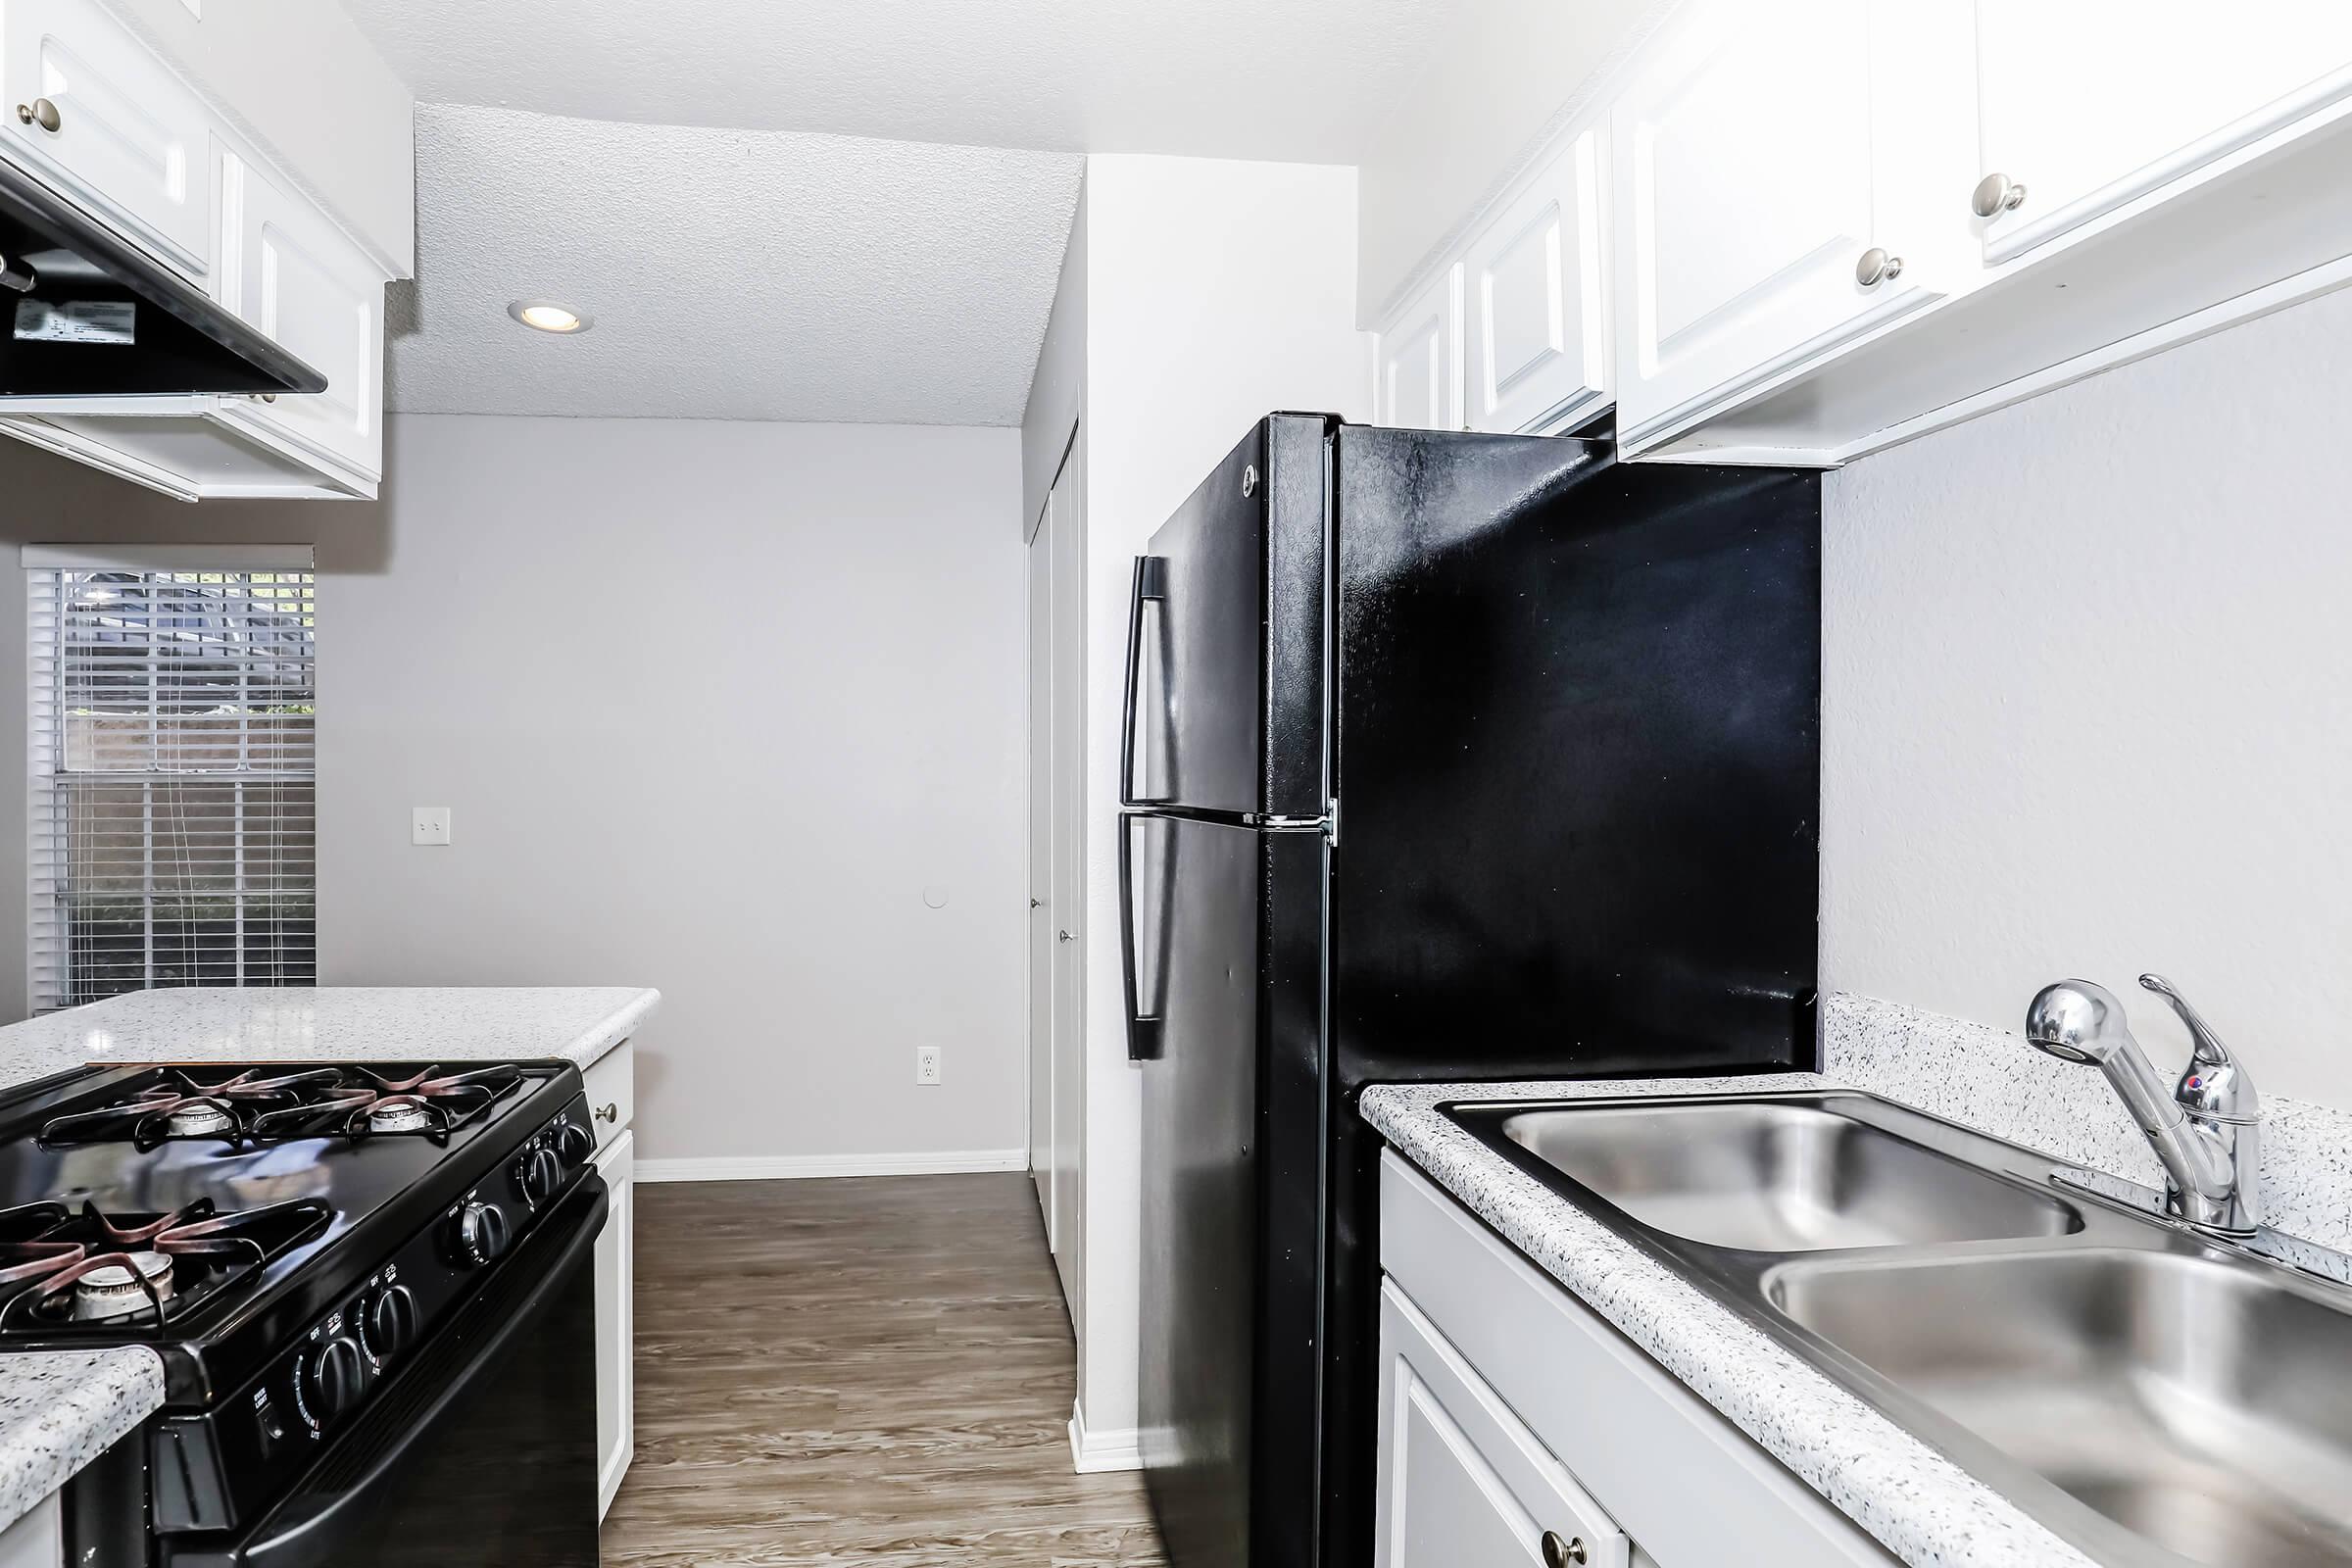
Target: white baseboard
x=1093, y=1453
x=805, y=1167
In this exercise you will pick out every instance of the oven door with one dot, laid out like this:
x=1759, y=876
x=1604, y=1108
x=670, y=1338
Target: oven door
x=484, y=1453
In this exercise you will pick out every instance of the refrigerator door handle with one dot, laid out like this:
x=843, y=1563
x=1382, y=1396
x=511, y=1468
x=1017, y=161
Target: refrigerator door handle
x=1143, y=1030
x=1150, y=587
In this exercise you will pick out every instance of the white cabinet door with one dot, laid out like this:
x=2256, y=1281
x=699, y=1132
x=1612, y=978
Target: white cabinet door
x=1462, y=1482
x=289, y=272
x=2092, y=104
x=1419, y=369
x=1534, y=301
x=1749, y=185
x=130, y=137
x=615, y=1322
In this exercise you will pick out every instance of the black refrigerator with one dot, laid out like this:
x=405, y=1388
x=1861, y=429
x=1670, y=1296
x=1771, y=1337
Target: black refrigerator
x=1446, y=757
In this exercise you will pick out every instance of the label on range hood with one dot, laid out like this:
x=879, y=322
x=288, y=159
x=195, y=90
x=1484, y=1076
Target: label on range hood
x=77, y=321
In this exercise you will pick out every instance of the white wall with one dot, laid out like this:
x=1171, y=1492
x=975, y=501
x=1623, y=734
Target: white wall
x=1506, y=74
x=713, y=705
x=1215, y=293
x=2088, y=701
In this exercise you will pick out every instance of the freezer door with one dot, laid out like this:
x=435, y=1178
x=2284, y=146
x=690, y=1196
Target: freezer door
x=1225, y=649
x=1231, y=1186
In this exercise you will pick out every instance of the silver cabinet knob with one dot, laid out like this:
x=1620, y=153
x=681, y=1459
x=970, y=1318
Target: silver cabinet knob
x=1061, y=935
x=1559, y=1552
x=610, y=1111
x=42, y=112
x=1996, y=194
x=1877, y=267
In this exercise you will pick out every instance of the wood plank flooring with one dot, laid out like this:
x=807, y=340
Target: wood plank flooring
x=871, y=1372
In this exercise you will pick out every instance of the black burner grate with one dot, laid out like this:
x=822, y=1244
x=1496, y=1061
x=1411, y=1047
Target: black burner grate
x=47, y=1252
x=257, y=1106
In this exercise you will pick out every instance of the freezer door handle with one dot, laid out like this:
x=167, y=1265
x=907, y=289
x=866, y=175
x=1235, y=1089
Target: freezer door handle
x=1150, y=587
x=1143, y=1029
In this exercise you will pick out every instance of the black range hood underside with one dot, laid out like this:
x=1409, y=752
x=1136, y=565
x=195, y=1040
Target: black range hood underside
x=84, y=314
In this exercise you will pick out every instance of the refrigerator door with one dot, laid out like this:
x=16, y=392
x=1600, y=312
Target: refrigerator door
x=1228, y=937
x=1225, y=643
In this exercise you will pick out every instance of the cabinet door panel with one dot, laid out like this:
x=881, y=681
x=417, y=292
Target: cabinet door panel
x=1533, y=299
x=1744, y=193
x=132, y=137
x=616, y=1321
x=1462, y=1482
x=293, y=274
x=2094, y=103
x=1420, y=364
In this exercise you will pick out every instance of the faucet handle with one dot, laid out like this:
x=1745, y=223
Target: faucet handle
x=2214, y=1087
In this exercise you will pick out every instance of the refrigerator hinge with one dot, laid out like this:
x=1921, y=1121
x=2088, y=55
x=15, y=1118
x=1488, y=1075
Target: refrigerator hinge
x=1331, y=821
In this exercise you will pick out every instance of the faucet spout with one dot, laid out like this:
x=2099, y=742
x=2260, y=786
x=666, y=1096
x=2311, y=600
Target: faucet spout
x=2211, y=1155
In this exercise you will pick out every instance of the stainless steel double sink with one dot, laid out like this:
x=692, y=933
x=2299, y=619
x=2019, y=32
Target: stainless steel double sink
x=2151, y=1396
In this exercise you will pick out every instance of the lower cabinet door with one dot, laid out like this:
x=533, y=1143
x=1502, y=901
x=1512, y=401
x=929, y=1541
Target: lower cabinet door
x=615, y=1322
x=1462, y=1482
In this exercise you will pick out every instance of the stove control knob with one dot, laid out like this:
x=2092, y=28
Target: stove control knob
x=330, y=1381
x=478, y=1235
x=541, y=1176
x=575, y=1144
x=388, y=1322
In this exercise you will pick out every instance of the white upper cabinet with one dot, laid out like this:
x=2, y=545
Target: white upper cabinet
x=1768, y=159
x=1533, y=303
x=95, y=111
x=287, y=271
x=1418, y=368
x=2087, y=106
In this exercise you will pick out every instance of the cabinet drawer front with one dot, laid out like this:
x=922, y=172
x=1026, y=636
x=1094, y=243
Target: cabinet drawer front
x=1420, y=361
x=1537, y=321
x=2193, y=89
x=1462, y=1482
x=613, y=1085
x=132, y=138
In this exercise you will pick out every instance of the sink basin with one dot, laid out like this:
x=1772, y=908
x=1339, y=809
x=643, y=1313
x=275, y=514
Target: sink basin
x=2205, y=1406
x=1767, y=1176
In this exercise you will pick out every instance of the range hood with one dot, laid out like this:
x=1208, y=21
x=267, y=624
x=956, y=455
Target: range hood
x=84, y=314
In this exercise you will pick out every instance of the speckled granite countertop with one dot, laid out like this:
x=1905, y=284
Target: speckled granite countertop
x=332, y=1023
x=1921, y=1505
x=60, y=1410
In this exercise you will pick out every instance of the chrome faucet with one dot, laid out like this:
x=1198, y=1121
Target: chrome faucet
x=2207, y=1129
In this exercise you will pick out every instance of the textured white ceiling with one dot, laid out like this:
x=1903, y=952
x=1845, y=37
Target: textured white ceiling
x=1286, y=80
x=732, y=273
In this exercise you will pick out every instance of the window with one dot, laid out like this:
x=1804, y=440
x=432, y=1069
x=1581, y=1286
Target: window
x=172, y=779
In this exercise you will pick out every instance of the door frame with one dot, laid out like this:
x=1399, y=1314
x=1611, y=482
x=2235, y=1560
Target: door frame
x=1062, y=1189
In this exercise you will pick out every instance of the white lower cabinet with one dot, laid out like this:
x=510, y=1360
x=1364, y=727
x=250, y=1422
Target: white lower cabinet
x=1463, y=1484
x=1510, y=1411
x=38, y=1540
x=615, y=1323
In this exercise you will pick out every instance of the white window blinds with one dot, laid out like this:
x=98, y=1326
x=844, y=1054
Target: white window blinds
x=172, y=780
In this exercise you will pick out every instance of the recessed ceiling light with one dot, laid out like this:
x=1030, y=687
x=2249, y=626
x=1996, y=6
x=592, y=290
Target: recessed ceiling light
x=546, y=316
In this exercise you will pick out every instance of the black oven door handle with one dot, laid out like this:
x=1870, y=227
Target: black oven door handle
x=301, y=1536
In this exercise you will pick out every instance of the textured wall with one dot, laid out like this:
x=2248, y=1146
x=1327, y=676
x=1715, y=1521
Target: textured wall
x=713, y=705
x=2088, y=706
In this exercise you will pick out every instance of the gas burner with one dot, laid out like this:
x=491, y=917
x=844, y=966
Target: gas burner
x=256, y=1107
x=93, y=1269
x=115, y=1290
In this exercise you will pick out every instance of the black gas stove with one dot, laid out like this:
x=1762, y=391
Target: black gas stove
x=367, y=1285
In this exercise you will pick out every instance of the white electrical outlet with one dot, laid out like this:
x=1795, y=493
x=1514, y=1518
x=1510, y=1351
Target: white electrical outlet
x=926, y=1064
x=429, y=825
